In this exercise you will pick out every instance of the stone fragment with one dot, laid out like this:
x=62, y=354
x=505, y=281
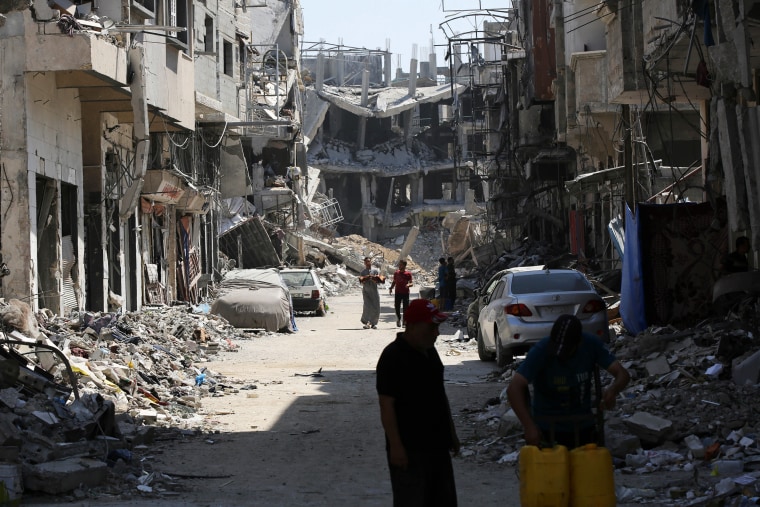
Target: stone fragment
x=695, y=446
x=746, y=370
x=649, y=427
x=658, y=366
x=620, y=444
x=509, y=424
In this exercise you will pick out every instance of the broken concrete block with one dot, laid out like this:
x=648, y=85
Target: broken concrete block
x=658, y=366
x=746, y=370
x=9, y=397
x=621, y=444
x=10, y=435
x=56, y=477
x=695, y=446
x=649, y=427
x=148, y=415
x=37, y=448
x=65, y=6
x=48, y=418
x=509, y=424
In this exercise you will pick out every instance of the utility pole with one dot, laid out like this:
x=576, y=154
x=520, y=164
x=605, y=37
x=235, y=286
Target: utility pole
x=630, y=173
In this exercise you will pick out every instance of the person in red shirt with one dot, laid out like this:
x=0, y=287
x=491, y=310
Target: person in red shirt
x=402, y=281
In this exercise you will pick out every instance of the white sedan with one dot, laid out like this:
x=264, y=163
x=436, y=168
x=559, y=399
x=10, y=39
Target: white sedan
x=524, y=305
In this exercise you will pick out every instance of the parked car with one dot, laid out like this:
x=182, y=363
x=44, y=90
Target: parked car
x=482, y=295
x=255, y=299
x=305, y=289
x=523, y=305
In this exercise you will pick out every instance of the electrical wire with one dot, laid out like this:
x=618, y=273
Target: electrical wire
x=221, y=138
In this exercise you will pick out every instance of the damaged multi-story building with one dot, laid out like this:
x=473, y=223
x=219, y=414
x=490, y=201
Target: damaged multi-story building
x=381, y=140
x=604, y=121
x=129, y=133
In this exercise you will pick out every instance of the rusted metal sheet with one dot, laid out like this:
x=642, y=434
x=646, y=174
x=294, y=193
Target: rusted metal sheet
x=543, y=52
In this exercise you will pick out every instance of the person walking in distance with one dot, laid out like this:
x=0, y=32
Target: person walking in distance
x=414, y=410
x=402, y=282
x=442, y=291
x=370, y=277
x=451, y=283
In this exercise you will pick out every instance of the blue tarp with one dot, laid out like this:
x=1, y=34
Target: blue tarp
x=632, y=307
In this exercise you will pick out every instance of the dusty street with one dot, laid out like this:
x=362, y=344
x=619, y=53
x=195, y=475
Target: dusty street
x=301, y=440
x=305, y=439
x=298, y=425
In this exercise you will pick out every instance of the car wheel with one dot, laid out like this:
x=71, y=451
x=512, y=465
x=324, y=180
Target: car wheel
x=503, y=356
x=472, y=326
x=472, y=321
x=483, y=354
x=321, y=310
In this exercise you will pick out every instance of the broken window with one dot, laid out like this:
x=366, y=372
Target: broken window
x=208, y=39
x=176, y=15
x=144, y=9
x=228, y=58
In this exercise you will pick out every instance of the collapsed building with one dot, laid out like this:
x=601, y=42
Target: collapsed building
x=383, y=146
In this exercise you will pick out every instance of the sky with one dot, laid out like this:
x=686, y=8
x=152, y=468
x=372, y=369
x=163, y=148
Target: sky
x=369, y=23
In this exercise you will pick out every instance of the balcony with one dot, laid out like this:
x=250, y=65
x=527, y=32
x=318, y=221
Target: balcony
x=84, y=58
x=590, y=82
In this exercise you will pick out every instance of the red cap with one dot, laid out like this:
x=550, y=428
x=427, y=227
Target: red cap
x=422, y=310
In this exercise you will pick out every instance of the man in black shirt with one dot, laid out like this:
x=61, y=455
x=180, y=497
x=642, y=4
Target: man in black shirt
x=415, y=413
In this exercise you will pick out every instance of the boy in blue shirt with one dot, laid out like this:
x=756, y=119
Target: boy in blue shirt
x=561, y=367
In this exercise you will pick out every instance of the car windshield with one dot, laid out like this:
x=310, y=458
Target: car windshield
x=298, y=279
x=553, y=282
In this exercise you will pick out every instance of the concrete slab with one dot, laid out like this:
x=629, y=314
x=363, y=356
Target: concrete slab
x=56, y=477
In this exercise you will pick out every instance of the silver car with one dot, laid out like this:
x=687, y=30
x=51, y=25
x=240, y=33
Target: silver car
x=524, y=305
x=305, y=289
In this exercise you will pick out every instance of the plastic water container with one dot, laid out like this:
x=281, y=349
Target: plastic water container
x=592, y=482
x=544, y=477
x=11, y=486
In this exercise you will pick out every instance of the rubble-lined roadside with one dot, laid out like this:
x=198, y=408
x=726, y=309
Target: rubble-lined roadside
x=81, y=394
x=84, y=397
x=690, y=410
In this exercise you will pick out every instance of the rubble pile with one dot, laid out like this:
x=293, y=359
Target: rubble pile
x=79, y=394
x=690, y=409
x=386, y=256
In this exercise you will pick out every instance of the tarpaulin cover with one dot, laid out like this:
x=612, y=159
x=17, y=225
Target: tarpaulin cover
x=254, y=298
x=632, y=307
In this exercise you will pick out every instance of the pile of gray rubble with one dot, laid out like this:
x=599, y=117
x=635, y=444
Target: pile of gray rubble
x=78, y=395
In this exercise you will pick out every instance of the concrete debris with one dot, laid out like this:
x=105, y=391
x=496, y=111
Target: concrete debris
x=83, y=392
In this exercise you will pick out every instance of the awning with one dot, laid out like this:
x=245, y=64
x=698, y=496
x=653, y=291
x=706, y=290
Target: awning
x=582, y=181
